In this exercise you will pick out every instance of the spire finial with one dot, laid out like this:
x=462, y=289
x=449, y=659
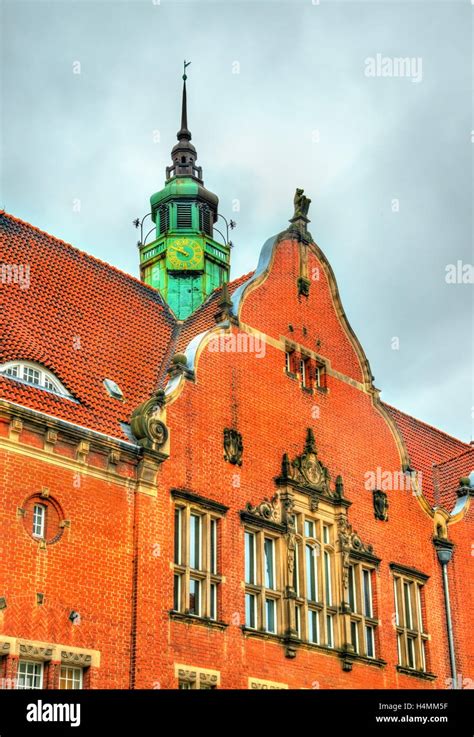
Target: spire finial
x=184, y=132
x=184, y=154
x=185, y=64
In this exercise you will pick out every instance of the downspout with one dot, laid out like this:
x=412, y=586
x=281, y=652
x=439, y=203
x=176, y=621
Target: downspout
x=134, y=593
x=444, y=550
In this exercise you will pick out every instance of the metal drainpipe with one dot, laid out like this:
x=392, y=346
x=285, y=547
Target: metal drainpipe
x=445, y=554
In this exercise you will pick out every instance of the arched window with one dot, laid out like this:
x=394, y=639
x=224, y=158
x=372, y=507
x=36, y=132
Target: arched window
x=33, y=374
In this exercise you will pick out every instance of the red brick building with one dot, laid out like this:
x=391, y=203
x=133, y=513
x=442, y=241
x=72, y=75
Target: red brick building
x=220, y=500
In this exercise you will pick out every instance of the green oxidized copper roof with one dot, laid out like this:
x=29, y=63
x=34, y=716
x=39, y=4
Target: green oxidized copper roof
x=182, y=187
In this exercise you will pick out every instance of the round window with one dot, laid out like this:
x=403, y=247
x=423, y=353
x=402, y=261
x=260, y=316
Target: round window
x=43, y=518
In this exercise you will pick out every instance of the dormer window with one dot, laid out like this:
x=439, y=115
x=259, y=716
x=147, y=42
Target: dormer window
x=35, y=375
x=113, y=389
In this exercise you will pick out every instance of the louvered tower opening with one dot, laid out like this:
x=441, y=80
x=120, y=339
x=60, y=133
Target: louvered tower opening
x=164, y=218
x=205, y=222
x=184, y=215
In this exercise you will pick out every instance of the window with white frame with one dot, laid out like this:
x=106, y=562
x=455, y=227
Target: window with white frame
x=305, y=372
x=363, y=623
x=313, y=581
x=262, y=581
x=320, y=376
x=411, y=636
x=70, y=677
x=29, y=674
x=196, y=571
x=33, y=374
x=39, y=520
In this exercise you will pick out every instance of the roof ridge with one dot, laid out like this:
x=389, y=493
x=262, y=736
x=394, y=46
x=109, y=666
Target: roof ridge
x=470, y=449
x=427, y=424
x=136, y=280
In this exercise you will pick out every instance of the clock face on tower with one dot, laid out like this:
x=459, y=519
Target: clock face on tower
x=185, y=254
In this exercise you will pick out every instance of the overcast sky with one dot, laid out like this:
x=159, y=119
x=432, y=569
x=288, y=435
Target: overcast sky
x=279, y=96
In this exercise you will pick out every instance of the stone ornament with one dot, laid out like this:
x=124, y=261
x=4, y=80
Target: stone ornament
x=268, y=509
x=349, y=542
x=35, y=651
x=380, y=505
x=148, y=423
x=307, y=471
x=79, y=659
x=301, y=204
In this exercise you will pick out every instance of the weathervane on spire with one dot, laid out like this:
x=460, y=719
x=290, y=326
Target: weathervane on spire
x=185, y=64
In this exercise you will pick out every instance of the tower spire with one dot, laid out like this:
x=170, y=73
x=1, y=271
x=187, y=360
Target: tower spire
x=184, y=261
x=184, y=154
x=184, y=132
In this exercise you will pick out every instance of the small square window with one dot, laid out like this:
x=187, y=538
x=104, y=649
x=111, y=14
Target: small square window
x=29, y=675
x=32, y=376
x=70, y=678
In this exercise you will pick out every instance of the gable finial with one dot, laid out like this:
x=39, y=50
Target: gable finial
x=299, y=221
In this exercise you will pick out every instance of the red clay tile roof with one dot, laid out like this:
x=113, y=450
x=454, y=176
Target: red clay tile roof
x=446, y=477
x=428, y=448
x=86, y=321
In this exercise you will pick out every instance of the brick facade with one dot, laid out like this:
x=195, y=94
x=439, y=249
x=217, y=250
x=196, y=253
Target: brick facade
x=112, y=559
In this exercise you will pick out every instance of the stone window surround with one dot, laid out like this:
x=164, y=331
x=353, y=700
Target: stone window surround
x=45, y=652
x=259, y=683
x=193, y=675
x=402, y=575
x=208, y=510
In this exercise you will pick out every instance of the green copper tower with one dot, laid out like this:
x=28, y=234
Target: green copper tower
x=184, y=262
